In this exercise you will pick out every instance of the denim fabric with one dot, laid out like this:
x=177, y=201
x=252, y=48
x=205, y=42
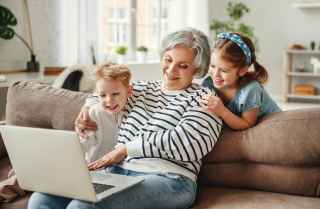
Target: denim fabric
x=251, y=95
x=157, y=191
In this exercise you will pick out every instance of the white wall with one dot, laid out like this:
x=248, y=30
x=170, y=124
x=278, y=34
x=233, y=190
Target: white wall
x=149, y=71
x=277, y=24
x=46, y=31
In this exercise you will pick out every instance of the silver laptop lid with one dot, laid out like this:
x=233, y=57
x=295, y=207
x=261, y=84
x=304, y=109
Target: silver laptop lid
x=30, y=151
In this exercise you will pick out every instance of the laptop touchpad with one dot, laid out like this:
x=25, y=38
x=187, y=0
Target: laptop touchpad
x=98, y=188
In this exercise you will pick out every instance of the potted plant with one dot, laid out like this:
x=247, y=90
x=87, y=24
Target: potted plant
x=8, y=20
x=121, y=52
x=142, y=53
x=236, y=10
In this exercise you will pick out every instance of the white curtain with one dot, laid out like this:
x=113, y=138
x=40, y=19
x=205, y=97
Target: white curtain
x=80, y=24
x=189, y=13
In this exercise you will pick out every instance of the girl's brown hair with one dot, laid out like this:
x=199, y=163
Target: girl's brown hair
x=232, y=53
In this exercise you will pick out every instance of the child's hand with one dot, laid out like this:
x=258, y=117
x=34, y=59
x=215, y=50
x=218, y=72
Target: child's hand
x=83, y=136
x=214, y=104
x=111, y=158
x=83, y=123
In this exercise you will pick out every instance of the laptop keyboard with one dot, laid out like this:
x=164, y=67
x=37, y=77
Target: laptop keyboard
x=98, y=188
x=97, y=176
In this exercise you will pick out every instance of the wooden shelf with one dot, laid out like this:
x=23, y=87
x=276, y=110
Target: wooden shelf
x=297, y=96
x=302, y=74
x=307, y=5
x=304, y=51
x=294, y=78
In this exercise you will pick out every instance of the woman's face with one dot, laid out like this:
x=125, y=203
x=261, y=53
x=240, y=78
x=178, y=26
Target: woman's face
x=224, y=74
x=177, y=68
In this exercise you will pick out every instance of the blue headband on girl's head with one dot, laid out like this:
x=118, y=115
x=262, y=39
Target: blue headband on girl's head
x=237, y=40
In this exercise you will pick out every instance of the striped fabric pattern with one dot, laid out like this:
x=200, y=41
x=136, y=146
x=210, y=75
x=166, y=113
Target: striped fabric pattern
x=170, y=126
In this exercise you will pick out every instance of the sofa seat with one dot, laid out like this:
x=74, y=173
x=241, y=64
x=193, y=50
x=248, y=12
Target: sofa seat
x=227, y=198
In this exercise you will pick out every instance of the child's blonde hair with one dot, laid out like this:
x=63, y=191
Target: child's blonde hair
x=114, y=71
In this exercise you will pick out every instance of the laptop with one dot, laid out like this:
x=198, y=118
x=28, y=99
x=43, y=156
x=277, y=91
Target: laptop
x=52, y=161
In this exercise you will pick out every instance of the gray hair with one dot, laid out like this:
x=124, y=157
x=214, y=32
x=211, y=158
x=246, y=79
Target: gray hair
x=194, y=39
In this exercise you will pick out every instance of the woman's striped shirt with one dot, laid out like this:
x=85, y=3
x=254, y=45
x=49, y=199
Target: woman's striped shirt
x=167, y=131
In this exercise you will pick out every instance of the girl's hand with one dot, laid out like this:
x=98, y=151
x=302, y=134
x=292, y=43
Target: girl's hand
x=83, y=123
x=111, y=158
x=214, y=104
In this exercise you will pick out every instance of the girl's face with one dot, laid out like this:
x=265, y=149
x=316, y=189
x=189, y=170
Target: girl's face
x=113, y=94
x=224, y=74
x=177, y=68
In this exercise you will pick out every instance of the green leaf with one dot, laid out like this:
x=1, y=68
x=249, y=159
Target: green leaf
x=235, y=10
x=7, y=19
x=220, y=26
x=122, y=50
x=6, y=33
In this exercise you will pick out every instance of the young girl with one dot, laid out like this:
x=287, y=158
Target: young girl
x=241, y=100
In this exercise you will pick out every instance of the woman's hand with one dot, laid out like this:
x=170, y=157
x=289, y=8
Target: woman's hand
x=114, y=157
x=215, y=105
x=83, y=123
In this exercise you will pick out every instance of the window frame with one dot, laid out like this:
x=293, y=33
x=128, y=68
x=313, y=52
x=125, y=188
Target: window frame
x=132, y=34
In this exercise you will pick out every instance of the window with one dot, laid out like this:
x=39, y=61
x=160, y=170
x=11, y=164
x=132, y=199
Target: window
x=97, y=27
x=133, y=23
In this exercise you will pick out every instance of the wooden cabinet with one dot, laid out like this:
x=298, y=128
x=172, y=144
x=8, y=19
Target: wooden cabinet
x=299, y=74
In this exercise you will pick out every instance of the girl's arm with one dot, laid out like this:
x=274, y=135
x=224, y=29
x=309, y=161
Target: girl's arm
x=246, y=120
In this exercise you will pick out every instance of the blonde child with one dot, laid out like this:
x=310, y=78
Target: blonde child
x=112, y=89
x=241, y=99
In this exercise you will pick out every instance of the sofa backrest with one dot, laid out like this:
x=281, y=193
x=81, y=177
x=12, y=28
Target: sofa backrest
x=287, y=138
x=39, y=105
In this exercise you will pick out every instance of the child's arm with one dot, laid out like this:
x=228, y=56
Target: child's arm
x=247, y=119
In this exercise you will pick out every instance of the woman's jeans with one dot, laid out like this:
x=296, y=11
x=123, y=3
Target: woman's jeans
x=157, y=191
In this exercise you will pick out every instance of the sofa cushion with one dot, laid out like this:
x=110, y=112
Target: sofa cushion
x=283, y=179
x=288, y=138
x=40, y=105
x=81, y=81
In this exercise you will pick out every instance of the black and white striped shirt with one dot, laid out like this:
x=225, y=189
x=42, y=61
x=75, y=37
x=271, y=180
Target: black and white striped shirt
x=169, y=127
x=167, y=131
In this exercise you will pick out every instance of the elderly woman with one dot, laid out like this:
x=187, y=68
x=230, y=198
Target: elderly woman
x=164, y=134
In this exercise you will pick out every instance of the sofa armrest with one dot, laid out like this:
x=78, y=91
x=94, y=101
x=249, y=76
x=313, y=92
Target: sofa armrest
x=40, y=105
x=288, y=138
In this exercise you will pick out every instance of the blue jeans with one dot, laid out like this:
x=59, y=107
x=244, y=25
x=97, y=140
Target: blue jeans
x=157, y=191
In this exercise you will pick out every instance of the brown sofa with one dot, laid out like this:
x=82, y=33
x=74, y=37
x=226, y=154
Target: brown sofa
x=273, y=165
